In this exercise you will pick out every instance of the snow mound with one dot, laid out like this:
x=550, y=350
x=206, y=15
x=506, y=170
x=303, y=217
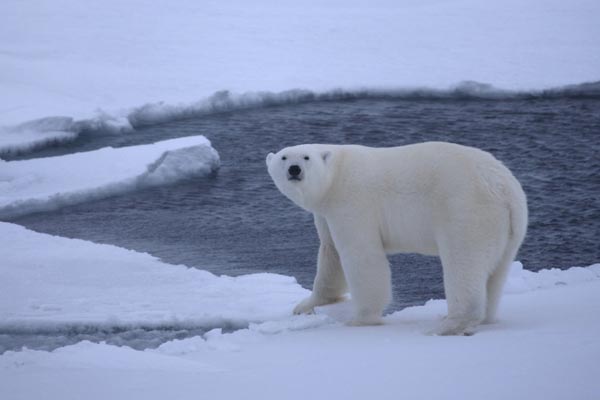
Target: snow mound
x=49, y=183
x=67, y=285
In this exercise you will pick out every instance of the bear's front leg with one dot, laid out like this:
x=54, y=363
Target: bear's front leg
x=330, y=284
x=367, y=271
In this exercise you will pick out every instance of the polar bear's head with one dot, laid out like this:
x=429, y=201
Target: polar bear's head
x=302, y=173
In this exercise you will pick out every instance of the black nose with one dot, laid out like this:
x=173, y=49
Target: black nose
x=294, y=170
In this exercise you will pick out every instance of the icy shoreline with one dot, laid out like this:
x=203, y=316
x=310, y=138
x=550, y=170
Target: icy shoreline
x=49, y=131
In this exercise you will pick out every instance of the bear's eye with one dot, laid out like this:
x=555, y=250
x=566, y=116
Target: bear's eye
x=284, y=158
x=306, y=158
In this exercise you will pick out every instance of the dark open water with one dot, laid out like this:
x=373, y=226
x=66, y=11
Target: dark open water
x=236, y=222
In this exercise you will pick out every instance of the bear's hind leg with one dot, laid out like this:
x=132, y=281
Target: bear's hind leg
x=495, y=284
x=465, y=286
x=330, y=283
x=470, y=246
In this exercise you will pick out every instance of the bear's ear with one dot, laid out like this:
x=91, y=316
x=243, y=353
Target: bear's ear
x=269, y=157
x=326, y=156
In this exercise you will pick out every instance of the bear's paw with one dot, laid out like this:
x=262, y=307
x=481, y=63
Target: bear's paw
x=306, y=306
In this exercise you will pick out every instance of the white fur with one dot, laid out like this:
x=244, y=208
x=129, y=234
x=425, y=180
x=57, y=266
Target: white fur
x=457, y=202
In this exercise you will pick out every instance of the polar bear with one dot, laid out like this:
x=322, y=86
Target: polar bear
x=434, y=198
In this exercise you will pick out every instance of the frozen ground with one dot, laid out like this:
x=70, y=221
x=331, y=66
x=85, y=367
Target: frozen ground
x=98, y=61
x=545, y=345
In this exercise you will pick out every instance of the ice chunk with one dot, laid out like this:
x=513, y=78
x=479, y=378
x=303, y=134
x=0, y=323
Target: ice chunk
x=49, y=183
x=55, y=284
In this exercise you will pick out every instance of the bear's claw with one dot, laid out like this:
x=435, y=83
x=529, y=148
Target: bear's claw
x=306, y=306
x=452, y=327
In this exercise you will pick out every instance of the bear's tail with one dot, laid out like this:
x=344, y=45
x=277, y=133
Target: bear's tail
x=518, y=217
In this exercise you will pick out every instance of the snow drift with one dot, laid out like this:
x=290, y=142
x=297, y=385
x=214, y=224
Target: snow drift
x=48, y=183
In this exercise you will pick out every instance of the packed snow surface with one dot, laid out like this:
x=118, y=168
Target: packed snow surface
x=100, y=60
x=545, y=345
x=51, y=283
x=47, y=183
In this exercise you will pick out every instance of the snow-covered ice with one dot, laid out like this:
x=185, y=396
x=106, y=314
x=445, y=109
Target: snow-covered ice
x=100, y=60
x=68, y=66
x=47, y=183
x=545, y=345
x=43, y=132
x=52, y=283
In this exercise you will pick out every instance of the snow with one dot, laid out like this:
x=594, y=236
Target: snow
x=54, y=284
x=545, y=345
x=99, y=61
x=106, y=66
x=47, y=183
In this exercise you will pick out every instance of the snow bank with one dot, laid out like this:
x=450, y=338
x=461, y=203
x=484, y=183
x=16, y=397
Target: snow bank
x=49, y=183
x=54, y=284
x=544, y=347
x=74, y=60
x=225, y=101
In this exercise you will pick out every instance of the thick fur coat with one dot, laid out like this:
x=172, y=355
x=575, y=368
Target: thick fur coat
x=443, y=199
